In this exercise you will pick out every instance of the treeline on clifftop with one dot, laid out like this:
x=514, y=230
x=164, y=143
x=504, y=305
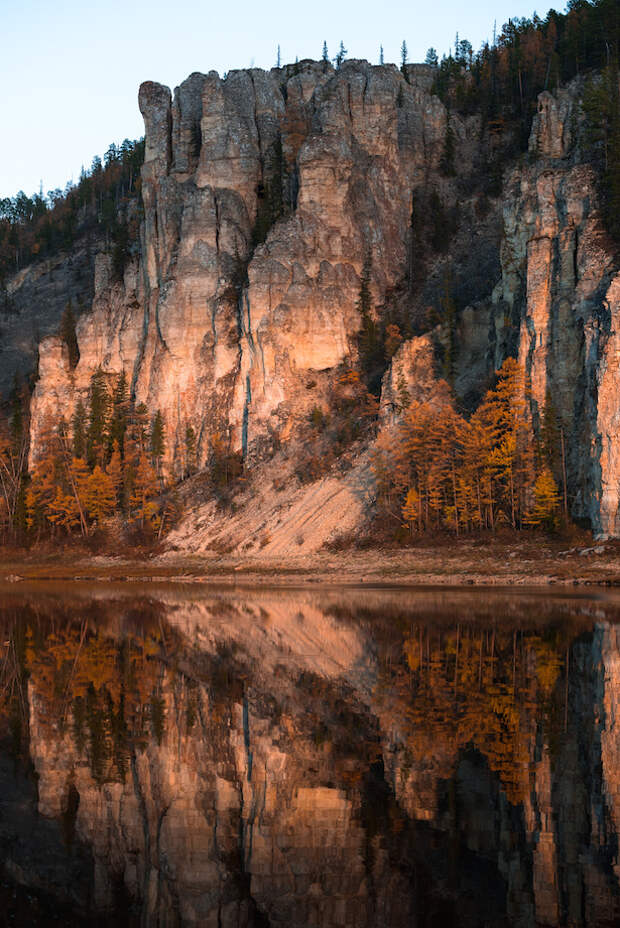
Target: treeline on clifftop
x=104, y=204
x=502, y=81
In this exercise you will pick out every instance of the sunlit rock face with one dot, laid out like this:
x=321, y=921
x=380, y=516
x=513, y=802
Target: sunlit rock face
x=313, y=759
x=215, y=326
x=235, y=321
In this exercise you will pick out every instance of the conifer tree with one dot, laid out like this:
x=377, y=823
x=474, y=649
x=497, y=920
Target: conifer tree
x=144, y=489
x=78, y=426
x=158, y=441
x=114, y=471
x=99, y=495
x=342, y=54
x=403, y=57
x=119, y=414
x=546, y=509
x=98, y=413
x=381, y=60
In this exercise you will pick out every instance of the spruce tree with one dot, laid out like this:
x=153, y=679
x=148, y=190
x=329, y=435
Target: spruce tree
x=342, y=54
x=119, y=414
x=403, y=57
x=78, y=427
x=98, y=412
x=158, y=441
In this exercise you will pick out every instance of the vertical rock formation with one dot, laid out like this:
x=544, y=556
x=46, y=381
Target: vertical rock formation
x=262, y=194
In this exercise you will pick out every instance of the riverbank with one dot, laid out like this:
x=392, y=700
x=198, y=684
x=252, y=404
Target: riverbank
x=524, y=562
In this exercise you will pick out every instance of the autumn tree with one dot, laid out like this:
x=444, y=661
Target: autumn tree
x=99, y=495
x=546, y=509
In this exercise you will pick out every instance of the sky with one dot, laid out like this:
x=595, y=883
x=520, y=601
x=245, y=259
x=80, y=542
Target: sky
x=71, y=70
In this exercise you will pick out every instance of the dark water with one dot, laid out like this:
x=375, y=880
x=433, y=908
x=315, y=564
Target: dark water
x=176, y=756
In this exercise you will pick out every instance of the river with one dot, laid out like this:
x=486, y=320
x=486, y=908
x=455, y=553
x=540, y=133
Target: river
x=184, y=755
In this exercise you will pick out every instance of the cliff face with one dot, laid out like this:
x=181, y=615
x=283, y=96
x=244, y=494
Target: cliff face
x=264, y=192
x=212, y=329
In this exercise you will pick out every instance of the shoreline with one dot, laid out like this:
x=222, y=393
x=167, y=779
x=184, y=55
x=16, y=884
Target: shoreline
x=465, y=564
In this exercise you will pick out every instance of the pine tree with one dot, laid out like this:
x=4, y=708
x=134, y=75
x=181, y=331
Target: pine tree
x=411, y=510
x=325, y=55
x=78, y=426
x=139, y=425
x=158, y=441
x=114, y=471
x=342, y=54
x=99, y=495
x=119, y=414
x=431, y=58
x=98, y=412
x=144, y=489
x=403, y=57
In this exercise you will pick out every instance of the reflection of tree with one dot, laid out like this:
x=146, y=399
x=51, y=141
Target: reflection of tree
x=464, y=686
x=105, y=689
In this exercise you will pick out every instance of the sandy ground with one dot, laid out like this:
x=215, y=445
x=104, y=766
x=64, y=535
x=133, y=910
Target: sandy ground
x=532, y=562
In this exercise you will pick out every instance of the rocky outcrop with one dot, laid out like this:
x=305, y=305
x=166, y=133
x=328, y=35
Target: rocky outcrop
x=263, y=194
x=216, y=327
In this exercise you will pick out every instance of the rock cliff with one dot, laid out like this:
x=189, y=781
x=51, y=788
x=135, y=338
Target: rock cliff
x=263, y=194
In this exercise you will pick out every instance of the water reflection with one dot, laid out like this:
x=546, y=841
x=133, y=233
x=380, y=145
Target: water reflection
x=176, y=757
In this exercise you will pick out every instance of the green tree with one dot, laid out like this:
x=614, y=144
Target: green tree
x=78, y=428
x=158, y=441
x=119, y=414
x=98, y=413
x=403, y=57
x=342, y=54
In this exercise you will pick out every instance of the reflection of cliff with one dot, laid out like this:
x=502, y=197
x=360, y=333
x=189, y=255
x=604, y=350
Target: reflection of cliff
x=299, y=759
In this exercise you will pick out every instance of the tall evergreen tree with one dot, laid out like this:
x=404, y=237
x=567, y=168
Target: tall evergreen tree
x=98, y=413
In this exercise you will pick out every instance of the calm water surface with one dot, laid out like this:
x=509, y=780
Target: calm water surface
x=182, y=756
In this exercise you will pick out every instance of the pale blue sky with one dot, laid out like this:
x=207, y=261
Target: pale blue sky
x=70, y=70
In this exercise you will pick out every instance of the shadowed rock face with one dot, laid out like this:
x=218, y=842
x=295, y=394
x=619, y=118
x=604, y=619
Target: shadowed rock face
x=264, y=191
x=280, y=758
